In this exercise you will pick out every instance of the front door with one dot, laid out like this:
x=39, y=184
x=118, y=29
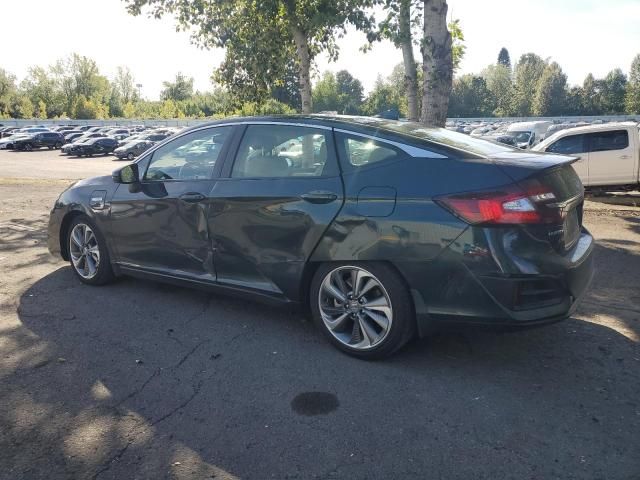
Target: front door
x=160, y=224
x=280, y=194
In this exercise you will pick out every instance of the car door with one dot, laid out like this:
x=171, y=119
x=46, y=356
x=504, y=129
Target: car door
x=160, y=224
x=575, y=145
x=611, y=158
x=275, y=200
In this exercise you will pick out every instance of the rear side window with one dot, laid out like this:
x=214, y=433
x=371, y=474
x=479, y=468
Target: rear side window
x=363, y=151
x=271, y=151
x=568, y=145
x=605, y=141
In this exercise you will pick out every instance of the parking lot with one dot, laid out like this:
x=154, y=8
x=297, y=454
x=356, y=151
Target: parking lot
x=144, y=380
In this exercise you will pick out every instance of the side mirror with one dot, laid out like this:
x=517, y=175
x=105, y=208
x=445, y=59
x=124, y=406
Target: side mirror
x=126, y=174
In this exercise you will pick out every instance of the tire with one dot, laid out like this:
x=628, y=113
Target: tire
x=88, y=254
x=130, y=156
x=366, y=333
x=28, y=147
x=58, y=145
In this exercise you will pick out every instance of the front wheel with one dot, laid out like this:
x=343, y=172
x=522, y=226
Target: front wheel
x=88, y=253
x=364, y=309
x=130, y=156
x=28, y=147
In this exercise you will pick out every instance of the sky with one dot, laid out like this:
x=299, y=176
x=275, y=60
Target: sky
x=581, y=35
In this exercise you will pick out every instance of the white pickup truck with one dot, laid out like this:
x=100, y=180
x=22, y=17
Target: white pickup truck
x=608, y=154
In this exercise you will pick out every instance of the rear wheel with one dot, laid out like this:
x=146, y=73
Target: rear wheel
x=130, y=156
x=364, y=309
x=88, y=253
x=58, y=145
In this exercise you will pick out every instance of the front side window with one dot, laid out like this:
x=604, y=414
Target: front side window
x=272, y=151
x=605, y=141
x=568, y=145
x=190, y=157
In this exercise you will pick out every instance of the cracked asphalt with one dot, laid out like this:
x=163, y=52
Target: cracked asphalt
x=140, y=380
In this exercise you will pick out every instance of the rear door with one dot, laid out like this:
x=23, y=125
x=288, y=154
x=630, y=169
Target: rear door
x=281, y=190
x=611, y=158
x=574, y=145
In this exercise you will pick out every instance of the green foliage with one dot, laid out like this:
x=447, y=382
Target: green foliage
x=270, y=107
x=384, y=96
x=527, y=73
x=614, y=88
x=457, y=44
x=178, y=90
x=550, y=95
x=470, y=97
x=632, y=98
x=504, y=58
x=340, y=92
x=499, y=84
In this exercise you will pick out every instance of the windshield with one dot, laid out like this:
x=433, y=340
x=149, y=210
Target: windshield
x=520, y=137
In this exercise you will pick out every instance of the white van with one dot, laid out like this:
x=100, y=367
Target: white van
x=528, y=134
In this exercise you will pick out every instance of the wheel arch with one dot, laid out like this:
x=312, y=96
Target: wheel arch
x=64, y=231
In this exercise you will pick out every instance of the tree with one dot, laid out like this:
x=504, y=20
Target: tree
x=286, y=89
x=350, y=93
x=614, y=88
x=504, y=59
x=22, y=108
x=325, y=93
x=632, y=98
x=470, y=97
x=591, y=96
x=401, y=17
x=383, y=97
x=528, y=72
x=258, y=35
x=550, y=96
x=8, y=89
x=437, y=64
x=125, y=85
x=498, y=80
x=180, y=89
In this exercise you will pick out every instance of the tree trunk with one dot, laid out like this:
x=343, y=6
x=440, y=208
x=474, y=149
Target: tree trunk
x=304, y=61
x=410, y=70
x=437, y=64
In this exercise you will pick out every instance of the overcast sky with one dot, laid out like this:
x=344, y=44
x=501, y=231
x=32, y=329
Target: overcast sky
x=581, y=35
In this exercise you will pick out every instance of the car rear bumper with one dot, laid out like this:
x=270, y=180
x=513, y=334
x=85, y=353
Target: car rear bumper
x=453, y=291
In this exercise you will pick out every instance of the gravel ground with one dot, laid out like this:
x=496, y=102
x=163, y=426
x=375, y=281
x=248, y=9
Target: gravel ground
x=143, y=380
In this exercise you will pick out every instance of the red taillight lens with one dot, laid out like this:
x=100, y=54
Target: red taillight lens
x=509, y=205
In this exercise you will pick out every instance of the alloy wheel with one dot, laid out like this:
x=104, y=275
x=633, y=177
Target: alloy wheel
x=355, y=307
x=84, y=251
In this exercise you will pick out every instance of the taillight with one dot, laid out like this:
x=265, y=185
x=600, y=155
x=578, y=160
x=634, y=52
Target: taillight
x=508, y=205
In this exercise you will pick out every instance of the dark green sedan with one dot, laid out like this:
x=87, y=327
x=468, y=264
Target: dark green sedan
x=384, y=230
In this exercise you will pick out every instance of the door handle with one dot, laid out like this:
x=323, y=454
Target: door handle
x=624, y=157
x=319, y=196
x=191, y=197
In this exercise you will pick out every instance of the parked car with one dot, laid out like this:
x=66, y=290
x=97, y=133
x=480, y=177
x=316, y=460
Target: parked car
x=71, y=147
x=608, y=154
x=7, y=131
x=7, y=143
x=387, y=230
x=507, y=140
x=133, y=149
x=49, y=140
x=96, y=146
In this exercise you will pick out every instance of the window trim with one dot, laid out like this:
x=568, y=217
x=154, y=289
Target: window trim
x=348, y=167
x=215, y=172
x=330, y=170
